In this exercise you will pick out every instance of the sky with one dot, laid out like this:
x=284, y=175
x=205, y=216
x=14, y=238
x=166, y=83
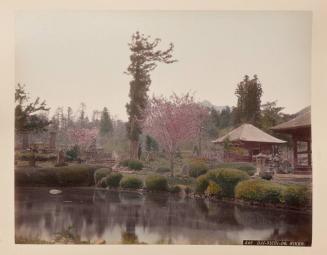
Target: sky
x=69, y=57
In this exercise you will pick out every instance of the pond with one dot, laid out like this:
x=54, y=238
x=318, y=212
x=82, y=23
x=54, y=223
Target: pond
x=131, y=217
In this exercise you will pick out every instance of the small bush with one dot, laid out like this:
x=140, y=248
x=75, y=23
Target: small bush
x=113, y=180
x=249, y=168
x=213, y=189
x=100, y=173
x=131, y=182
x=72, y=153
x=266, y=175
x=135, y=165
x=296, y=195
x=201, y=185
x=132, y=164
x=156, y=183
x=175, y=189
x=260, y=191
x=163, y=169
x=198, y=168
x=227, y=179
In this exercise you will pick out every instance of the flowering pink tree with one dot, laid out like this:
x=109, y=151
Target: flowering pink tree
x=173, y=121
x=83, y=137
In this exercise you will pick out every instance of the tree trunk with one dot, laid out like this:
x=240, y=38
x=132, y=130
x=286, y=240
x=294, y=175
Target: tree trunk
x=25, y=144
x=200, y=143
x=172, y=164
x=32, y=162
x=134, y=146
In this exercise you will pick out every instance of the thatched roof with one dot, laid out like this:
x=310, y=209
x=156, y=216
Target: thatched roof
x=302, y=120
x=249, y=133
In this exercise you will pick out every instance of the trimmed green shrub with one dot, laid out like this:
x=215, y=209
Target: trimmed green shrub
x=163, y=169
x=227, y=179
x=249, y=168
x=260, y=191
x=156, y=183
x=296, y=195
x=113, y=180
x=132, y=164
x=73, y=153
x=175, y=189
x=197, y=168
x=135, y=165
x=131, y=182
x=201, y=185
x=100, y=173
x=266, y=175
x=213, y=189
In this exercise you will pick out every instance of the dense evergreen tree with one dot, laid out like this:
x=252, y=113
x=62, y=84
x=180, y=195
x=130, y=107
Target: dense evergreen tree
x=248, y=92
x=70, y=120
x=271, y=115
x=226, y=117
x=212, y=123
x=144, y=58
x=150, y=144
x=106, y=126
x=82, y=116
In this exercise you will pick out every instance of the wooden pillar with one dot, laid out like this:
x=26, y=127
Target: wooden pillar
x=294, y=152
x=309, y=153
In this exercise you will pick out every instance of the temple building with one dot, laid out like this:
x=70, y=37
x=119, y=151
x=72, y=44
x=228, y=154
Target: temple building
x=250, y=139
x=300, y=130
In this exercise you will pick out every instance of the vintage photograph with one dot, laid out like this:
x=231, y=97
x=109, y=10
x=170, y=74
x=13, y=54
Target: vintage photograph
x=163, y=127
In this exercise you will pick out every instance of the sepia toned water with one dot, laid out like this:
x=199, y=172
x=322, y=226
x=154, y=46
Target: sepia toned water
x=130, y=217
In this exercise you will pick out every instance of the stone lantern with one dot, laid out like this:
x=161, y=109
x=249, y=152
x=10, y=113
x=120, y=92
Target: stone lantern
x=260, y=163
x=52, y=140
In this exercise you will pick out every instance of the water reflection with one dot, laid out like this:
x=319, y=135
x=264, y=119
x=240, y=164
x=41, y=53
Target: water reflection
x=128, y=217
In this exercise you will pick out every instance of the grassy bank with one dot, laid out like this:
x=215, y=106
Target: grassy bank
x=66, y=176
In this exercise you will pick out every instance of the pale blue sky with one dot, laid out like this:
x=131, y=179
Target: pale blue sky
x=72, y=57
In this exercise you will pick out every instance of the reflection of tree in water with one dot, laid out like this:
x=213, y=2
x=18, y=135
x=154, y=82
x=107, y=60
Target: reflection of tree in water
x=284, y=226
x=95, y=215
x=157, y=200
x=258, y=218
x=129, y=235
x=131, y=198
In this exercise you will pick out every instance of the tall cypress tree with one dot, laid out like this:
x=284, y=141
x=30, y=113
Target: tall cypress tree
x=106, y=126
x=144, y=58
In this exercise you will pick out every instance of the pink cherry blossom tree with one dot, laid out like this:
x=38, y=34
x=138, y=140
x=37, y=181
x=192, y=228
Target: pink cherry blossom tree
x=83, y=137
x=173, y=121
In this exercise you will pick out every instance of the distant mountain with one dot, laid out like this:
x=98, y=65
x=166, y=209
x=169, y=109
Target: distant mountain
x=207, y=103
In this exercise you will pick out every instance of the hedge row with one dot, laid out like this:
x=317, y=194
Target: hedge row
x=235, y=183
x=73, y=175
x=152, y=183
x=27, y=156
x=267, y=192
x=249, y=168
